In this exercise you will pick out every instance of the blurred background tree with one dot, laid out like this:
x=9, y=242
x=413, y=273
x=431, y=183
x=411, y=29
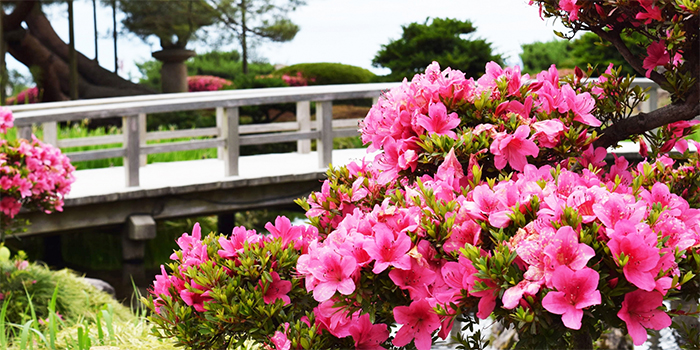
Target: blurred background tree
x=444, y=40
x=173, y=22
x=252, y=21
x=587, y=49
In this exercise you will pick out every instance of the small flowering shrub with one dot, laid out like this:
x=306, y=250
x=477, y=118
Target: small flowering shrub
x=296, y=80
x=30, y=95
x=222, y=291
x=33, y=175
x=206, y=83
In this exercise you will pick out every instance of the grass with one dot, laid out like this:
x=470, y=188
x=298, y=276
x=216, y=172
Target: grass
x=44, y=309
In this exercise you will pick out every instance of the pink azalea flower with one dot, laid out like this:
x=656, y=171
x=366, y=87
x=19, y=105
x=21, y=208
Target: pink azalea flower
x=467, y=232
x=416, y=279
x=570, y=7
x=195, y=298
x=438, y=121
x=487, y=301
x=162, y=283
x=565, y=250
x=334, y=319
x=10, y=206
x=333, y=273
x=513, y=149
x=656, y=56
x=640, y=311
x=652, y=12
x=595, y=157
x=581, y=105
x=235, y=244
x=418, y=323
x=278, y=289
x=642, y=259
x=398, y=155
x=281, y=341
x=368, y=336
x=284, y=230
x=513, y=295
x=616, y=208
x=547, y=132
x=576, y=290
x=186, y=242
x=388, y=248
x=6, y=119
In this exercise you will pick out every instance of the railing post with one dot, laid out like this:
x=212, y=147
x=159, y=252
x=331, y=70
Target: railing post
x=375, y=100
x=220, y=124
x=324, y=145
x=25, y=132
x=229, y=131
x=50, y=133
x=143, y=158
x=130, y=128
x=304, y=120
x=653, y=99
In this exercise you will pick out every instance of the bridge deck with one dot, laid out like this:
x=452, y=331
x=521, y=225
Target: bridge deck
x=187, y=188
x=106, y=182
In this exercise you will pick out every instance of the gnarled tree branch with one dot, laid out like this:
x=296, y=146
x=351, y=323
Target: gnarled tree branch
x=614, y=38
x=643, y=122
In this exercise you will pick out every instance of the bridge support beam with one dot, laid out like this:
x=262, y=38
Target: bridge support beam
x=225, y=222
x=137, y=230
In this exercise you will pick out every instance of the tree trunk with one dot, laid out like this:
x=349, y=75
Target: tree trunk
x=244, y=44
x=40, y=47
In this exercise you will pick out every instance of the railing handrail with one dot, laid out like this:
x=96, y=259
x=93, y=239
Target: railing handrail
x=228, y=135
x=121, y=106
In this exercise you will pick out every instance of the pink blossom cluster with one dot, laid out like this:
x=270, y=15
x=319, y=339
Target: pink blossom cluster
x=184, y=284
x=297, y=80
x=664, y=16
x=193, y=252
x=545, y=110
x=30, y=95
x=556, y=265
x=580, y=232
x=206, y=83
x=32, y=174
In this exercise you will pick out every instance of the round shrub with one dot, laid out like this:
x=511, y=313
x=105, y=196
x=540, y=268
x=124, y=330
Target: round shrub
x=328, y=73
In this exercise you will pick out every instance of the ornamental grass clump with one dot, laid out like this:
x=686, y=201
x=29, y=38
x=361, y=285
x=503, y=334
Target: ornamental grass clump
x=489, y=198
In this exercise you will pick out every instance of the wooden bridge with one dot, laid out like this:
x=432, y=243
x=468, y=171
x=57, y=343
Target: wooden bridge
x=137, y=193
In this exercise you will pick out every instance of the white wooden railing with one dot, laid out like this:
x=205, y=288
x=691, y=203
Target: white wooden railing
x=228, y=135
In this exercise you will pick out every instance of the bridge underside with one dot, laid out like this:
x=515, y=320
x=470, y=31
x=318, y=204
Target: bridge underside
x=203, y=200
x=182, y=189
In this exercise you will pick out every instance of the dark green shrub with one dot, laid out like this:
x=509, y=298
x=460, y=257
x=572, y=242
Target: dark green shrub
x=328, y=73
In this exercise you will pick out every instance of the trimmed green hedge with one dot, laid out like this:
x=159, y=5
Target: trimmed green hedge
x=329, y=73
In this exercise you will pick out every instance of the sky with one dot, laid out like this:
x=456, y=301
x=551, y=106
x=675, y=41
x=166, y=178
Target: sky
x=342, y=31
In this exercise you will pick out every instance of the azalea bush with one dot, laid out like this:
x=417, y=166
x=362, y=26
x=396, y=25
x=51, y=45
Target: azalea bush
x=206, y=83
x=29, y=95
x=492, y=198
x=224, y=291
x=33, y=175
x=486, y=197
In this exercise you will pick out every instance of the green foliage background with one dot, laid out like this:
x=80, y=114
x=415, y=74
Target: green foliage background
x=442, y=40
x=588, y=49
